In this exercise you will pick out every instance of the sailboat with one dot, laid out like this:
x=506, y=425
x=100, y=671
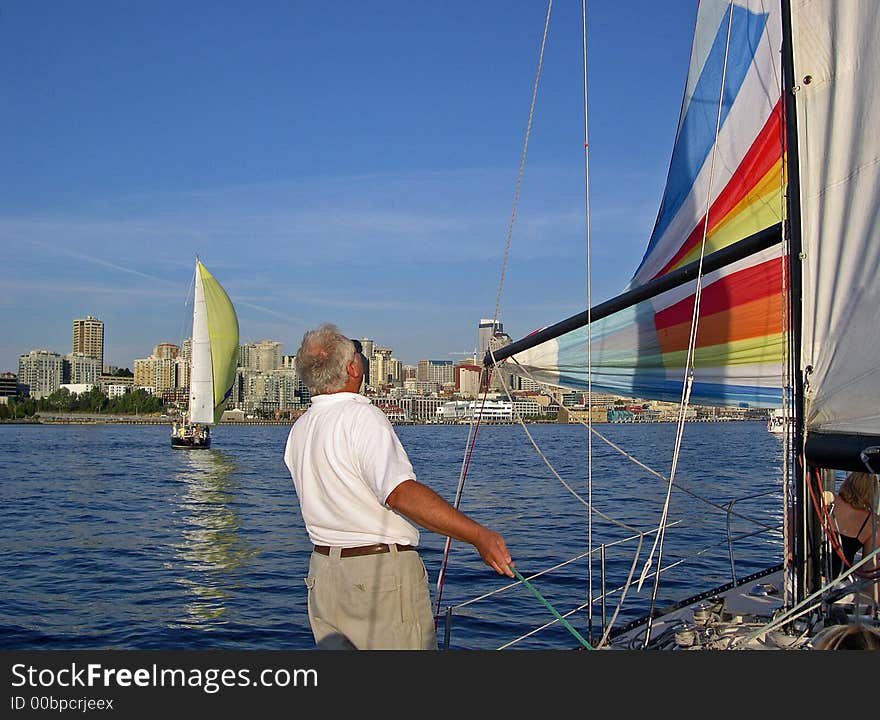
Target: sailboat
x=757, y=289
x=214, y=358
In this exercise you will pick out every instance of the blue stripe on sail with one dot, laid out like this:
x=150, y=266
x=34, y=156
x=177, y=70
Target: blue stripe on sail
x=697, y=135
x=714, y=394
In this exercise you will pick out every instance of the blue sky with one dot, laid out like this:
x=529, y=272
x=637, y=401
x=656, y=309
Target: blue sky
x=347, y=162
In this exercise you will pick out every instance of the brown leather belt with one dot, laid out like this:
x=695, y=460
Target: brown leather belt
x=376, y=549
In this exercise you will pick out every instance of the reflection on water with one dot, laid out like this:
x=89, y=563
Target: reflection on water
x=211, y=549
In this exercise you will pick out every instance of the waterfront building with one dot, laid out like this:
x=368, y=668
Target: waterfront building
x=421, y=387
x=439, y=371
x=384, y=369
x=468, y=379
x=77, y=388
x=487, y=411
x=8, y=386
x=78, y=368
x=41, y=372
x=115, y=390
x=258, y=392
x=159, y=372
x=184, y=364
x=394, y=413
x=264, y=355
x=124, y=382
x=88, y=338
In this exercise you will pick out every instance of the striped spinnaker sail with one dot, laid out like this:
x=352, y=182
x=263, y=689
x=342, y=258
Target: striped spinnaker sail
x=214, y=349
x=725, y=183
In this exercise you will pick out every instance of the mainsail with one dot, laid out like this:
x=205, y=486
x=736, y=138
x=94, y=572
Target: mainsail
x=725, y=183
x=837, y=63
x=214, y=349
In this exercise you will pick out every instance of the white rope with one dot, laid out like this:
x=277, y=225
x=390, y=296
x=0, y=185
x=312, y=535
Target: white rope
x=692, y=340
x=589, y=319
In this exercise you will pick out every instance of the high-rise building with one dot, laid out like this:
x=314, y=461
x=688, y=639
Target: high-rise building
x=88, y=338
x=80, y=369
x=485, y=332
x=384, y=369
x=41, y=371
x=264, y=355
x=159, y=371
x=439, y=371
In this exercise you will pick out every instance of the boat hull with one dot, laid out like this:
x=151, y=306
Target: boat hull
x=189, y=438
x=190, y=444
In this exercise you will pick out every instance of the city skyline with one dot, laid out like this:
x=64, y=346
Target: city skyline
x=76, y=346
x=379, y=200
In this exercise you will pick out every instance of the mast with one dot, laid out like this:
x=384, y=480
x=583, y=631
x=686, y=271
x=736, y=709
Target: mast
x=804, y=545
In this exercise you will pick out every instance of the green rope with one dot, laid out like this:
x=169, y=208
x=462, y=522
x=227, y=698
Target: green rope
x=551, y=609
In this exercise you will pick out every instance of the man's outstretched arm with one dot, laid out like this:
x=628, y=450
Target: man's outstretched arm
x=422, y=505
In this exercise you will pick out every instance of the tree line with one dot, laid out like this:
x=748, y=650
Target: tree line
x=94, y=401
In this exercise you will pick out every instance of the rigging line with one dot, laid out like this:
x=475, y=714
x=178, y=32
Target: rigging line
x=651, y=471
x=559, y=617
x=589, y=325
x=608, y=593
x=692, y=341
x=465, y=465
x=830, y=531
x=552, y=568
x=522, y=163
x=589, y=507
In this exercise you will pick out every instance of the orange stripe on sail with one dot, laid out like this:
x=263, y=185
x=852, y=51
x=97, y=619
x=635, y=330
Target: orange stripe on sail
x=758, y=318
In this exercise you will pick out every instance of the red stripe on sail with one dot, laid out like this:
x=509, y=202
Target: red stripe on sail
x=762, y=155
x=748, y=285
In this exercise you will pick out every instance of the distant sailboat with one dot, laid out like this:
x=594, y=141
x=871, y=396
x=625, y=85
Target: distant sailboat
x=213, y=361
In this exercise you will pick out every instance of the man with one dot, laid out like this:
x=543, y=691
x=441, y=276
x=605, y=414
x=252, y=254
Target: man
x=357, y=490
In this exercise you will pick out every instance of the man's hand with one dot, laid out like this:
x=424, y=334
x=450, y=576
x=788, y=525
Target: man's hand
x=494, y=552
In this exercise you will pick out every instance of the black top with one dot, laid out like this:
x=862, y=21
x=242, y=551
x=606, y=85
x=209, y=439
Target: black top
x=850, y=546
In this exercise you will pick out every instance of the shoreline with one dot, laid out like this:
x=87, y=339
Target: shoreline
x=129, y=420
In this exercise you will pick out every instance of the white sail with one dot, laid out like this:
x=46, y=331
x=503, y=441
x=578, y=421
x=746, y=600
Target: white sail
x=201, y=388
x=837, y=63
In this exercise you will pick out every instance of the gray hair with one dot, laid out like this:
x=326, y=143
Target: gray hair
x=322, y=359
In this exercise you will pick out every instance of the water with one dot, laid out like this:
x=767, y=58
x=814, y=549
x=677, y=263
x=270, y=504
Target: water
x=112, y=540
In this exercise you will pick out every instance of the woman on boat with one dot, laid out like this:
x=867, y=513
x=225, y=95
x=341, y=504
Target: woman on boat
x=856, y=519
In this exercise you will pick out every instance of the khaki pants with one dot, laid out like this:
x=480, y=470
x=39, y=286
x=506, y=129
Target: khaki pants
x=370, y=602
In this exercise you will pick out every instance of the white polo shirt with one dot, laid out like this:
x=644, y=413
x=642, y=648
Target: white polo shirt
x=345, y=459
